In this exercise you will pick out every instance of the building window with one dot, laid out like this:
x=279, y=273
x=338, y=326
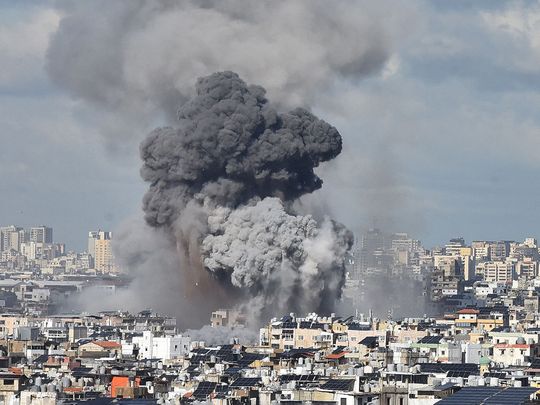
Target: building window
x=287, y=337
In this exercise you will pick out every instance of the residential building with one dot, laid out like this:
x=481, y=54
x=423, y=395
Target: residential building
x=100, y=249
x=41, y=234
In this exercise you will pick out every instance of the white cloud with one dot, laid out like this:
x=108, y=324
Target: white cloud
x=520, y=23
x=391, y=68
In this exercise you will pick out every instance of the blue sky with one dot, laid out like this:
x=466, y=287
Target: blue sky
x=441, y=141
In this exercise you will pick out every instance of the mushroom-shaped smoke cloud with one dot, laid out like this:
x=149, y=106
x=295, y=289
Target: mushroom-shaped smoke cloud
x=222, y=185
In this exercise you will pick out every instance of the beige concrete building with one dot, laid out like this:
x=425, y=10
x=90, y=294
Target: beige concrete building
x=100, y=249
x=9, y=322
x=527, y=268
x=227, y=317
x=498, y=271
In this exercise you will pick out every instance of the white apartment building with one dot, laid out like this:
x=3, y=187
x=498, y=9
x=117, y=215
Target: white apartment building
x=11, y=238
x=165, y=347
x=480, y=250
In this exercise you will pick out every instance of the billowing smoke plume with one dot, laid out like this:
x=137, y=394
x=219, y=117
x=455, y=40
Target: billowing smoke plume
x=223, y=184
x=135, y=59
x=232, y=146
x=135, y=63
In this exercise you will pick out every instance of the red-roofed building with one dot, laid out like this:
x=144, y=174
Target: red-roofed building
x=337, y=358
x=16, y=370
x=127, y=387
x=467, y=319
x=516, y=354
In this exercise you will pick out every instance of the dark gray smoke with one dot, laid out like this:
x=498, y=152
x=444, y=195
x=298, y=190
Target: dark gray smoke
x=223, y=183
x=231, y=146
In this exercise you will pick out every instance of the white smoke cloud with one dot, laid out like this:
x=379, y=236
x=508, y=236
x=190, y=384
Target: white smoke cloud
x=220, y=335
x=287, y=262
x=254, y=241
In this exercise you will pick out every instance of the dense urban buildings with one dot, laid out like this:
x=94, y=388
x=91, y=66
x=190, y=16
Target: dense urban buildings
x=416, y=326
x=33, y=250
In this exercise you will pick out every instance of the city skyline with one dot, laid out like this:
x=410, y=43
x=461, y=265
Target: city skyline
x=70, y=246
x=439, y=136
